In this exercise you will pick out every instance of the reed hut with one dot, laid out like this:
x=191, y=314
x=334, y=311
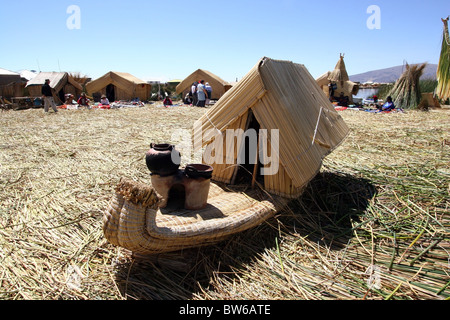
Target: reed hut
x=119, y=86
x=7, y=77
x=219, y=86
x=11, y=84
x=340, y=78
x=443, y=70
x=61, y=82
x=296, y=124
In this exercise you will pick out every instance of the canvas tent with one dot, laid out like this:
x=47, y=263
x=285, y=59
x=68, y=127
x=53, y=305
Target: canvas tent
x=219, y=86
x=338, y=76
x=300, y=123
x=61, y=82
x=119, y=86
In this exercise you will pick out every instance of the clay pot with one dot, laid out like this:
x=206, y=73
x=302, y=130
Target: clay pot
x=198, y=171
x=159, y=159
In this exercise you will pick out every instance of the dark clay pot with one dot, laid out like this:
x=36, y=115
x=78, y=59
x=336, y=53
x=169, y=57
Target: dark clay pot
x=198, y=171
x=159, y=159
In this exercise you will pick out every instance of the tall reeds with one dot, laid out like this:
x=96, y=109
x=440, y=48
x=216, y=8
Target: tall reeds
x=406, y=91
x=443, y=71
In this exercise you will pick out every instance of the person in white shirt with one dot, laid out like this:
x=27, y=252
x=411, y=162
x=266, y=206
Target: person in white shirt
x=104, y=100
x=194, y=93
x=209, y=91
x=201, y=94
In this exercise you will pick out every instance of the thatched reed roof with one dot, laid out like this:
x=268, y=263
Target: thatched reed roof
x=340, y=77
x=340, y=72
x=219, y=86
x=7, y=77
x=122, y=80
x=129, y=86
x=57, y=80
x=280, y=95
x=61, y=82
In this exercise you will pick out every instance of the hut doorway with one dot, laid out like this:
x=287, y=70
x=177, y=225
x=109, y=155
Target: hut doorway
x=111, y=92
x=61, y=95
x=248, y=169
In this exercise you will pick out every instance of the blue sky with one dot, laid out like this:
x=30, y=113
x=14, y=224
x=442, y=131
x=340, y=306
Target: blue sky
x=165, y=40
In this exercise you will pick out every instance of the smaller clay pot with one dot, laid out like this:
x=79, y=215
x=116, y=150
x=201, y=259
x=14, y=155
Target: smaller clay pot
x=197, y=170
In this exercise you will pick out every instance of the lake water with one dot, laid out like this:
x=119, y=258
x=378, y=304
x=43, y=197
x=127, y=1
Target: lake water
x=365, y=93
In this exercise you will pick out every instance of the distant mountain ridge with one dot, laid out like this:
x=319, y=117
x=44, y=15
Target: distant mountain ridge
x=388, y=75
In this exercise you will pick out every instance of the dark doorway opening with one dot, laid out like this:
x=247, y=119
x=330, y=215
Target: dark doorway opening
x=248, y=171
x=61, y=95
x=111, y=92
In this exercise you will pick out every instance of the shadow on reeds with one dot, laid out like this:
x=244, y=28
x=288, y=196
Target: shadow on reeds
x=323, y=215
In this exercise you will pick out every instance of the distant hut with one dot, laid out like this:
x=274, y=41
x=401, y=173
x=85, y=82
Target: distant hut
x=340, y=78
x=443, y=71
x=219, y=86
x=6, y=77
x=11, y=84
x=301, y=127
x=119, y=86
x=61, y=82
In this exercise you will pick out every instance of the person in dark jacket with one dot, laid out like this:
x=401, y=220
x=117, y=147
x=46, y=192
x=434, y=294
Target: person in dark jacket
x=47, y=95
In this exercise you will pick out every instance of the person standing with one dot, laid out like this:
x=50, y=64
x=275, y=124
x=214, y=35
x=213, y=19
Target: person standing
x=209, y=91
x=201, y=94
x=331, y=88
x=47, y=95
x=194, y=93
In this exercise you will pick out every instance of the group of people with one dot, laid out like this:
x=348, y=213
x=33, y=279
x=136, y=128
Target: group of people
x=199, y=95
x=83, y=100
x=343, y=101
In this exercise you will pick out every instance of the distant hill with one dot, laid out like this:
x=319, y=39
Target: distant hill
x=391, y=74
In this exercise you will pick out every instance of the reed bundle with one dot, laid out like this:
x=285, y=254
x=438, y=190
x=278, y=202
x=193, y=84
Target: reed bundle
x=406, y=91
x=443, y=71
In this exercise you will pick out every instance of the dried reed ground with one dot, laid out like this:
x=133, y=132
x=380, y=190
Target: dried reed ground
x=374, y=224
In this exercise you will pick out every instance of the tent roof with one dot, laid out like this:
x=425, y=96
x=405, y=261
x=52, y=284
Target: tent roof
x=123, y=80
x=323, y=79
x=200, y=74
x=282, y=95
x=8, y=72
x=8, y=77
x=28, y=74
x=57, y=80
